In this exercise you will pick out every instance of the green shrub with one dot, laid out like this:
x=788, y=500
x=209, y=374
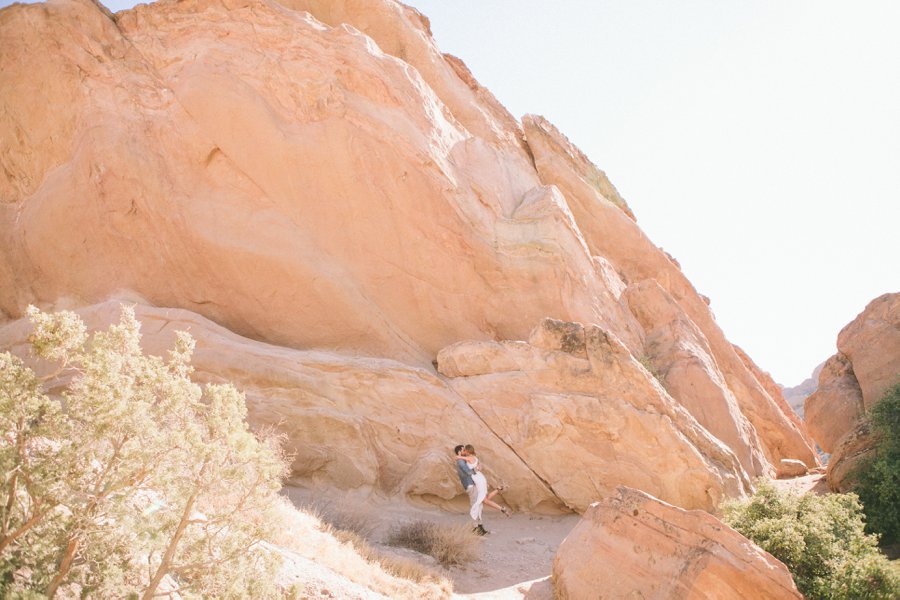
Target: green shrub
x=878, y=479
x=122, y=476
x=820, y=539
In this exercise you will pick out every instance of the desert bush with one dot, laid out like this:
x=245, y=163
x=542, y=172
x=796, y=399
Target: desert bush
x=647, y=363
x=448, y=544
x=820, y=539
x=878, y=478
x=119, y=471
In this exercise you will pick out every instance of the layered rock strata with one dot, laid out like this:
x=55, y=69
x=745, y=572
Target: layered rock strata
x=631, y=545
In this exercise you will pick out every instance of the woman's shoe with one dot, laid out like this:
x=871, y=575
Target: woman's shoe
x=506, y=511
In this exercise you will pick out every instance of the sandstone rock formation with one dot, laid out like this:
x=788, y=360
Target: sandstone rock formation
x=631, y=545
x=575, y=396
x=831, y=411
x=853, y=448
x=852, y=381
x=354, y=424
x=316, y=177
x=871, y=342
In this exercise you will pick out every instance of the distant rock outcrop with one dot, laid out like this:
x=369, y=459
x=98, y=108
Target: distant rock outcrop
x=796, y=395
x=316, y=177
x=631, y=545
x=851, y=382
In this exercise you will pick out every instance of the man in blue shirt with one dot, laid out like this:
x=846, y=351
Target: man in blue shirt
x=465, y=472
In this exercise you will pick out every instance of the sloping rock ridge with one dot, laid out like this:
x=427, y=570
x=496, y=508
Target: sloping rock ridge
x=330, y=203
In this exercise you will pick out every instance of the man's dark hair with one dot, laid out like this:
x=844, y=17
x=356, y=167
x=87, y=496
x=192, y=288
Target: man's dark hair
x=457, y=449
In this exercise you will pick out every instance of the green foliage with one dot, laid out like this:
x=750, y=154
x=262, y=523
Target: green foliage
x=647, y=363
x=878, y=479
x=821, y=541
x=121, y=473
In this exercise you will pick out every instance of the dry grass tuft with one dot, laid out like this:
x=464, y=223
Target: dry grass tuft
x=397, y=566
x=449, y=544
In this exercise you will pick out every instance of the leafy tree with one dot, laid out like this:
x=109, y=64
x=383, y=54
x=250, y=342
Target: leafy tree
x=120, y=472
x=821, y=541
x=878, y=479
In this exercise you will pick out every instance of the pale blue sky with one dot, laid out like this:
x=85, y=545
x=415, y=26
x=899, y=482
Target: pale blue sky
x=757, y=141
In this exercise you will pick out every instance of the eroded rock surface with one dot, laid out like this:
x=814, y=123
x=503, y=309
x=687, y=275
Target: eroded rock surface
x=633, y=545
x=587, y=416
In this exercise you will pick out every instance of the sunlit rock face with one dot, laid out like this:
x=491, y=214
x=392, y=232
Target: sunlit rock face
x=317, y=177
x=631, y=545
x=851, y=382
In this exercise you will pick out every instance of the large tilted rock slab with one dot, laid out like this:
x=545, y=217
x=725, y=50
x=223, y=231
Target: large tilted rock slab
x=322, y=194
x=361, y=425
x=632, y=545
x=587, y=417
x=609, y=231
x=680, y=355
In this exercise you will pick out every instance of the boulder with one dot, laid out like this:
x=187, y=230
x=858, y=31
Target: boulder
x=632, y=545
x=833, y=409
x=871, y=342
x=791, y=468
x=852, y=449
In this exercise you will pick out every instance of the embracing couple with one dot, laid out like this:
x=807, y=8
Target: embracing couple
x=475, y=484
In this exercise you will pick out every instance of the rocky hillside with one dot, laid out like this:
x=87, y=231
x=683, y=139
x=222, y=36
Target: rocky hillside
x=361, y=237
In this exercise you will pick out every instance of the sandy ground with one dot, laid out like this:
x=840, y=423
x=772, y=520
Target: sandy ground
x=814, y=483
x=515, y=559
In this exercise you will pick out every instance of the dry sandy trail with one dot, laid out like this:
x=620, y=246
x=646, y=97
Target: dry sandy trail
x=515, y=559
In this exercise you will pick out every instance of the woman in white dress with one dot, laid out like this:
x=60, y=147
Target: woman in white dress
x=481, y=486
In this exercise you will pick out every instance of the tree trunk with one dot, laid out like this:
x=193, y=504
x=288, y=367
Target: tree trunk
x=166, y=562
x=64, y=566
